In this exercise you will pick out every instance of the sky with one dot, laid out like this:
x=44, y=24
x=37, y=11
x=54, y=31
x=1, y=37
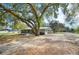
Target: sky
x=61, y=17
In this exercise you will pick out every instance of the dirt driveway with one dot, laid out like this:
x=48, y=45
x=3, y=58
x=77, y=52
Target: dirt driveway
x=52, y=44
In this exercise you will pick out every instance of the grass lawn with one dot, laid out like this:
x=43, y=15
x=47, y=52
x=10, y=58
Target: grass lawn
x=6, y=36
x=8, y=33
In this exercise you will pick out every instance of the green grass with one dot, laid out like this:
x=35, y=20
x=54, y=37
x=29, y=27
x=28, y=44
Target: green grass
x=8, y=33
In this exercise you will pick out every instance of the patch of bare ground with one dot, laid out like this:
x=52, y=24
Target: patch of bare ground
x=9, y=38
x=56, y=48
x=52, y=44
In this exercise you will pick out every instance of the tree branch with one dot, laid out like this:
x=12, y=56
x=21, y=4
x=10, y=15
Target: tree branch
x=33, y=10
x=14, y=14
x=44, y=10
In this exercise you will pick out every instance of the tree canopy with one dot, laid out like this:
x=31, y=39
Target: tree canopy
x=33, y=15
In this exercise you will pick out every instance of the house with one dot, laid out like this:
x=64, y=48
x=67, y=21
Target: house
x=43, y=30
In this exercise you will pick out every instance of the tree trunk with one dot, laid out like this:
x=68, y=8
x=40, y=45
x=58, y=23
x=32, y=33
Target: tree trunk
x=36, y=31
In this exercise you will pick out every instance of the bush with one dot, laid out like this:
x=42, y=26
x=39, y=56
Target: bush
x=57, y=27
x=77, y=30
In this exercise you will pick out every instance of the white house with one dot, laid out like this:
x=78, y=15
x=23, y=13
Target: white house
x=44, y=30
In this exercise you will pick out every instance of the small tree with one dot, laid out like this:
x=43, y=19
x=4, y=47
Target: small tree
x=56, y=26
